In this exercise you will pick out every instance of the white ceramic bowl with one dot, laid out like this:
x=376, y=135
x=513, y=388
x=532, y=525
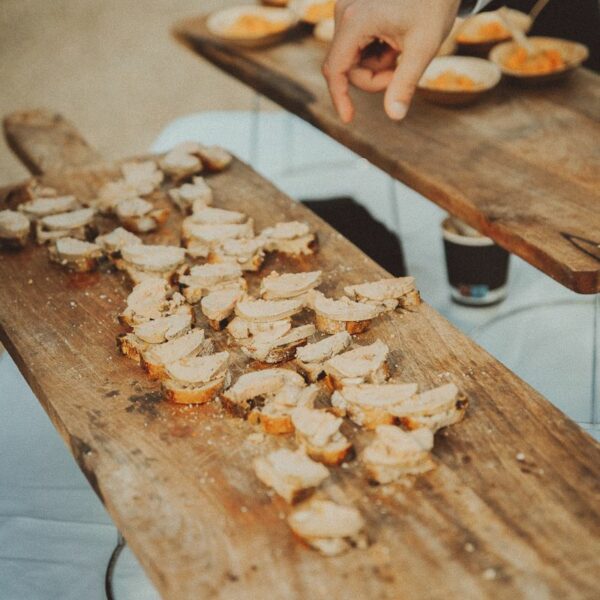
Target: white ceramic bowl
x=300, y=7
x=278, y=3
x=572, y=53
x=484, y=73
x=324, y=30
x=468, y=33
x=220, y=22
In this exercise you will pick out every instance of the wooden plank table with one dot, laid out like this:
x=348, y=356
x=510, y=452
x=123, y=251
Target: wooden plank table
x=178, y=482
x=522, y=167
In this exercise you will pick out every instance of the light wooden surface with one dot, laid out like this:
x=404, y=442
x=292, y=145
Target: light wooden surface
x=177, y=480
x=522, y=167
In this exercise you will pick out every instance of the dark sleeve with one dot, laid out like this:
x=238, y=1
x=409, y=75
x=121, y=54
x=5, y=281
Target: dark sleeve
x=468, y=7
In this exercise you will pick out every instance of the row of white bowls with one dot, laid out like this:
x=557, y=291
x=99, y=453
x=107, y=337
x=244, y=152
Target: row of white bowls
x=486, y=73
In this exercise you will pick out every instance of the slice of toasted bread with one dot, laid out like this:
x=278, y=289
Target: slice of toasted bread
x=268, y=310
x=211, y=276
x=394, y=453
x=288, y=285
x=193, y=292
x=389, y=293
x=144, y=176
x=293, y=475
x=219, y=305
x=434, y=409
x=330, y=528
x=292, y=237
x=68, y=220
x=75, y=254
x=360, y=365
x=318, y=432
x=202, y=238
x=187, y=147
x=310, y=359
x=247, y=253
x=77, y=224
x=335, y=316
x=164, y=328
x=369, y=405
x=39, y=208
x=251, y=389
x=179, y=165
x=200, y=394
x=153, y=258
x=151, y=300
x=202, y=279
x=14, y=229
x=131, y=346
x=274, y=413
x=217, y=216
x=140, y=216
x=196, y=379
x=279, y=349
x=194, y=369
x=34, y=189
x=111, y=193
x=156, y=358
x=147, y=301
x=261, y=333
x=112, y=242
x=214, y=158
x=137, y=276
x=192, y=196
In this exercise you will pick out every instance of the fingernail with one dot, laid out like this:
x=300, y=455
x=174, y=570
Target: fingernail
x=398, y=110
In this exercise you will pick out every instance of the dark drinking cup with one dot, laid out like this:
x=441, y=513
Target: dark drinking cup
x=477, y=268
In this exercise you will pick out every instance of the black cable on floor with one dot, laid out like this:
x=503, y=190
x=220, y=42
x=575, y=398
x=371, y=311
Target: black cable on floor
x=108, y=576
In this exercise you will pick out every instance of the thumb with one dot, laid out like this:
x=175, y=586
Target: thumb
x=413, y=61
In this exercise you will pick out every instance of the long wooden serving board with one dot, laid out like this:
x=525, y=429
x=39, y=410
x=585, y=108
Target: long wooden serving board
x=522, y=167
x=178, y=482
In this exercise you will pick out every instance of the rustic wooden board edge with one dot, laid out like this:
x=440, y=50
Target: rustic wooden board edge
x=298, y=100
x=31, y=134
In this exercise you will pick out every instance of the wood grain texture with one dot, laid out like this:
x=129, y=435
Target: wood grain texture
x=521, y=167
x=28, y=134
x=178, y=483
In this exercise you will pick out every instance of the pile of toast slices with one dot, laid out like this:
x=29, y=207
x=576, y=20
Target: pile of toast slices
x=191, y=316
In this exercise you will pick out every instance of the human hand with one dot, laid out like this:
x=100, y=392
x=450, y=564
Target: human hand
x=370, y=35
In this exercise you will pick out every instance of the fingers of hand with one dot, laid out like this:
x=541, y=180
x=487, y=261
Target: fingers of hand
x=340, y=8
x=416, y=55
x=380, y=62
x=370, y=81
x=343, y=55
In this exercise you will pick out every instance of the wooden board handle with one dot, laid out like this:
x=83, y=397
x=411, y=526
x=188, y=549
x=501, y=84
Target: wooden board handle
x=45, y=141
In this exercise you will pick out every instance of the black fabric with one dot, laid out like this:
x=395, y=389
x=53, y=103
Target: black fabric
x=466, y=7
x=354, y=222
x=576, y=20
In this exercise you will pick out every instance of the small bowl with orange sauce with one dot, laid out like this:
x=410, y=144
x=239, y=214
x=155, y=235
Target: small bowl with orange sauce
x=478, y=34
x=313, y=11
x=554, y=59
x=458, y=80
x=252, y=26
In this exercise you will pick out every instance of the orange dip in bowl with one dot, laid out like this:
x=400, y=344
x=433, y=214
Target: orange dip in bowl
x=319, y=11
x=545, y=61
x=452, y=81
x=254, y=26
x=488, y=32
